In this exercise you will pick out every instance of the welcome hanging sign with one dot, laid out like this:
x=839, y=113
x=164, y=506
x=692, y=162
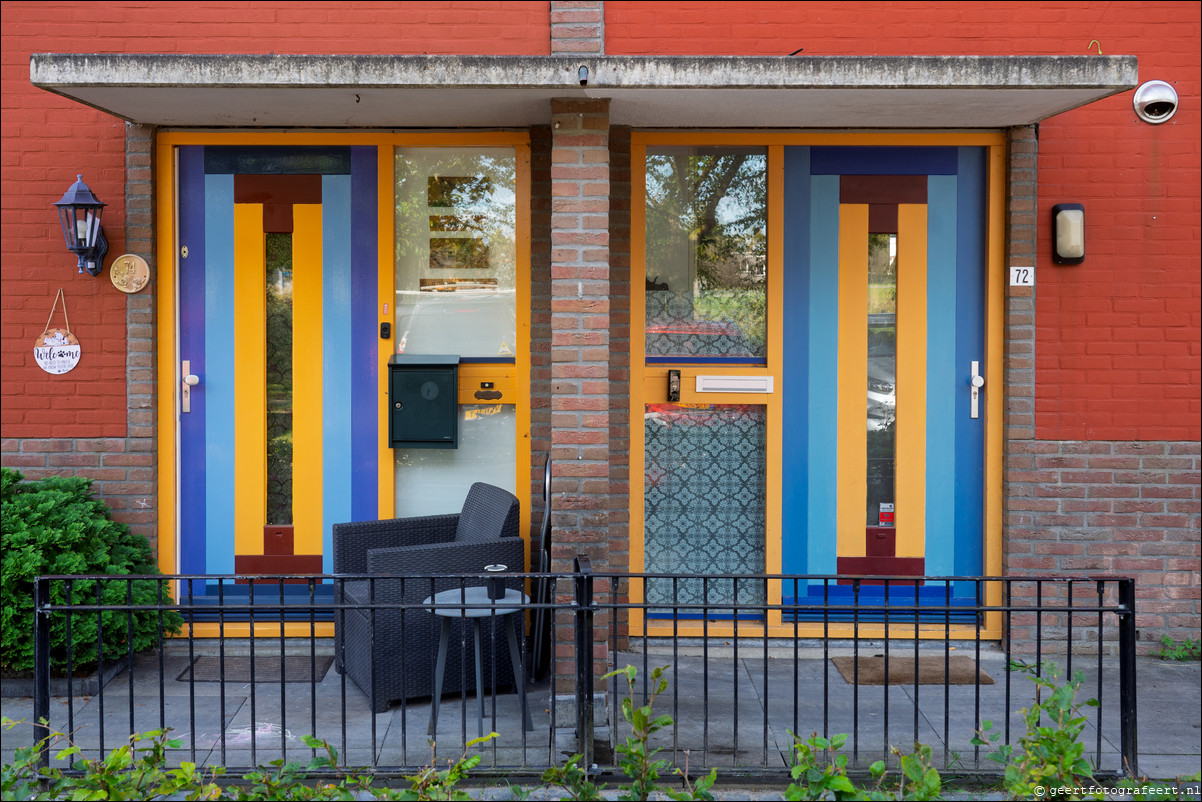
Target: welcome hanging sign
x=56, y=350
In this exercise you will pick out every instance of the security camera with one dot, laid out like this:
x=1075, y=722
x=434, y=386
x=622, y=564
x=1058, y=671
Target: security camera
x=1155, y=102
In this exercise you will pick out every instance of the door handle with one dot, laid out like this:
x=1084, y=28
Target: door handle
x=188, y=381
x=976, y=382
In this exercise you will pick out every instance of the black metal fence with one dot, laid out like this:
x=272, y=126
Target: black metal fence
x=751, y=663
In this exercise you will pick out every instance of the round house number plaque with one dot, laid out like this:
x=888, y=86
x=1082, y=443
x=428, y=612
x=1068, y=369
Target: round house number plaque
x=129, y=273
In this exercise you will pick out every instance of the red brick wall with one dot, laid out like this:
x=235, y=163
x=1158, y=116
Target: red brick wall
x=1124, y=508
x=1117, y=338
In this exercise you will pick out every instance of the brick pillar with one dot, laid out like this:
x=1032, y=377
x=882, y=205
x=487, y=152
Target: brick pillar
x=577, y=28
x=141, y=444
x=1019, y=426
x=580, y=347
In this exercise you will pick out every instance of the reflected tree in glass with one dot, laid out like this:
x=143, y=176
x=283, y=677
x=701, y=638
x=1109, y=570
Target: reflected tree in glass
x=706, y=252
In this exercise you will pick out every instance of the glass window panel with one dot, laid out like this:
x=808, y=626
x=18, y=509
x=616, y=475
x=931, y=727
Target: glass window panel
x=436, y=481
x=279, y=379
x=706, y=252
x=704, y=508
x=882, y=377
x=455, y=251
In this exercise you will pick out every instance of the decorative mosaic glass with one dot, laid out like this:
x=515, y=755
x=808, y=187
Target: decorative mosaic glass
x=706, y=252
x=704, y=502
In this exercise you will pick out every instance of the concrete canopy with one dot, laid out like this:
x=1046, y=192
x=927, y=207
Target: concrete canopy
x=646, y=92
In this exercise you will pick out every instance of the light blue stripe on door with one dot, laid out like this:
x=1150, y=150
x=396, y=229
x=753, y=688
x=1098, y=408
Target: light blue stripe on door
x=221, y=354
x=823, y=449
x=942, y=375
x=336, y=357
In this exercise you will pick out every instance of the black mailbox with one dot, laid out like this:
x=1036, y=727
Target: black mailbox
x=423, y=401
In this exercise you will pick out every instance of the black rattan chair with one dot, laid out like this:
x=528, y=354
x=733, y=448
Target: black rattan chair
x=390, y=654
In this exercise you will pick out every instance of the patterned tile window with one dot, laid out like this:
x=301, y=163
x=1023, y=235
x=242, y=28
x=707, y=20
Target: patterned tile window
x=704, y=509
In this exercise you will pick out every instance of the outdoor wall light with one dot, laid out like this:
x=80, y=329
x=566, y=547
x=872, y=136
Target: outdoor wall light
x=1155, y=102
x=1068, y=233
x=79, y=213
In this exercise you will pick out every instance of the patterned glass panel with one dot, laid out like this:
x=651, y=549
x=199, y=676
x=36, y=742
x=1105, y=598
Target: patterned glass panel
x=706, y=252
x=704, y=510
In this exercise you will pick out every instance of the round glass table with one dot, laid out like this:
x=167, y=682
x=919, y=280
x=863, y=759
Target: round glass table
x=473, y=603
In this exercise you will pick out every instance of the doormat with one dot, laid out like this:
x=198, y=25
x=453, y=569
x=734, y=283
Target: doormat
x=297, y=668
x=960, y=670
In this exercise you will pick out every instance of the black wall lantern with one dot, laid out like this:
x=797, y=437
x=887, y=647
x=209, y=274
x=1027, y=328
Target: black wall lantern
x=1068, y=233
x=79, y=212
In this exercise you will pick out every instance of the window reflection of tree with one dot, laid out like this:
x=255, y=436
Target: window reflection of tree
x=707, y=207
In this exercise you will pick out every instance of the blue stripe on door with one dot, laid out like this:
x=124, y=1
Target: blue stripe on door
x=823, y=446
x=191, y=509
x=795, y=471
x=337, y=344
x=884, y=161
x=221, y=354
x=971, y=258
x=942, y=375
x=363, y=357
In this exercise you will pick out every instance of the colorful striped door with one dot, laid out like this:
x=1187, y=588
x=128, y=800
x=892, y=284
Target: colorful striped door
x=277, y=306
x=885, y=259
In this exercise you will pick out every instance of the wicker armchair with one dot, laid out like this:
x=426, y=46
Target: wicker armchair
x=398, y=662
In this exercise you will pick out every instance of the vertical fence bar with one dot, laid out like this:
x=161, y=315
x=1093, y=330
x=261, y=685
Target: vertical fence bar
x=41, y=665
x=100, y=665
x=223, y=724
x=254, y=721
x=162, y=668
x=129, y=640
x=584, y=658
x=1101, y=588
x=1127, y=685
x=283, y=680
x=70, y=589
x=1007, y=600
x=313, y=662
x=855, y=671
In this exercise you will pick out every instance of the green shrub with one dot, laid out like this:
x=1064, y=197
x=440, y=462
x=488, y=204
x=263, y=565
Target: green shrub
x=57, y=526
x=1189, y=649
x=1050, y=754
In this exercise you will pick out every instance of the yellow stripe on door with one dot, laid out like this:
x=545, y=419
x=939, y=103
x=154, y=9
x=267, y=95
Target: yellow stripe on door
x=911, y=442
x=853, y=379
x=250, y=422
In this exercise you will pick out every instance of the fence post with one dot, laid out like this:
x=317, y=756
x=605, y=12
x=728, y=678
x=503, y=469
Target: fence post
x=1128, y=735
x=584, y=659
x=41, y=666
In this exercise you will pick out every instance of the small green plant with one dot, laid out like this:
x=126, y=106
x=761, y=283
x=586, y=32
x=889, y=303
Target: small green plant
x=137, y=770
x=290, y=780
x=57, y=526
x=431, y=783
x=820, y=772
x=573, y=780
x=1049, y=755
x=1189, y=649
x=638, y=761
